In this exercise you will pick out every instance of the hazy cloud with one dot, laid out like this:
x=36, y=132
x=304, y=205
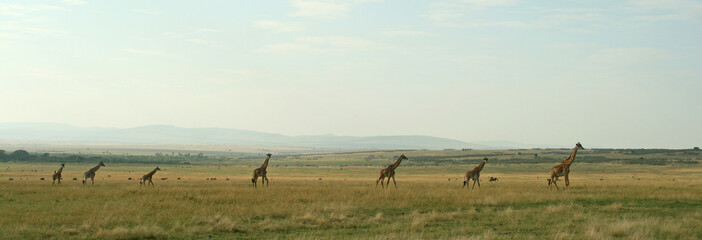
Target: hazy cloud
x=143, y=11
x=74, y=2
x=278, y=26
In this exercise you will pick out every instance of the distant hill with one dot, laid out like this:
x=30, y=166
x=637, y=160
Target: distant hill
x=163, y=134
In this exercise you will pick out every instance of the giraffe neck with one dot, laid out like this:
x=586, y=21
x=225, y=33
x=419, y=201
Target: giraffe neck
x=60, y=170
x=570, y=159
x=480, y=166
x=265, y=163
x=397, y=163
x=95, y=168
x=151, y=173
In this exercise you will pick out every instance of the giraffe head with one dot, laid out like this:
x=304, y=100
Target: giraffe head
x=485, y=159
x=158, y=169
x=577, y=145
x=101, y=164
x=269, y=155
x=403, y=157
x=63, y=165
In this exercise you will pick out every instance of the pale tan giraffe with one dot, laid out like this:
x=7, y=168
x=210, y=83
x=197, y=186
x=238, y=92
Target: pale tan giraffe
x=148, y=177
x=474, y=174
x=389, y=172
x=57, y=174
x=91, y=173
x=261, y=172
x=563, y=169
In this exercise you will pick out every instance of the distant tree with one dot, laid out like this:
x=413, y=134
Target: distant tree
x=19, y=155
x=695, y=148
x=3, y=155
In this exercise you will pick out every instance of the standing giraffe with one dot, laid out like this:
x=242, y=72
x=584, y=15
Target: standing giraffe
x=57, y=174
x=389, y=172
x=148, y=177
x=91, y=173
x=474, y=174
x=563, y=169
x=261, y=172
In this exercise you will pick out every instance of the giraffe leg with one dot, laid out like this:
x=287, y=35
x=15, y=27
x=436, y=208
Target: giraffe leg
x=254, y=180
x=478, y=180
x=92, y=179
x=474, y=181
x=388, y=183
x=59, y=180
x=85, y=179
x=264, y=178
x=567, y=182
x=152, y=182
x=393, y=181
x=465, y=182
x=554, y=182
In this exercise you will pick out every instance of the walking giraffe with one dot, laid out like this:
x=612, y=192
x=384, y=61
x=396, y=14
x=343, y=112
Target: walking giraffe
x=91, y=173
x=389, y=172
x=474, y=174
x=57, y=174
x=148, y=177
x=563, y=169
x=261, y=172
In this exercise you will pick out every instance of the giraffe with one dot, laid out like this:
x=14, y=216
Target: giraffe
x=261, y=172
x=563, y=169
x=474, y=174
x=148, y=177
x=57, y=174
x=91, y=173
x=389, y=172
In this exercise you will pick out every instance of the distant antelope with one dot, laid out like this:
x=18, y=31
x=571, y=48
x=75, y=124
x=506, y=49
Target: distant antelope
x=148, y=177
x=75, y=179
x=11, y=179
x=57, y=174
x=493, y=179
x=164, y=179
x=91, y=173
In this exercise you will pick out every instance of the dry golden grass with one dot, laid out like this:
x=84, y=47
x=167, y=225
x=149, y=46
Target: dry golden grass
x=346, y=204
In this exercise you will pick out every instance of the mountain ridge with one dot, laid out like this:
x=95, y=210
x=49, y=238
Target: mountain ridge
x=168, y=134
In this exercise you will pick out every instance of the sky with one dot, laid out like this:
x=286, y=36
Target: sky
x=603, y=73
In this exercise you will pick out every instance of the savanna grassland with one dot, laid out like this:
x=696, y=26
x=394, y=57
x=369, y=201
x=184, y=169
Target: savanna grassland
x=637, y=194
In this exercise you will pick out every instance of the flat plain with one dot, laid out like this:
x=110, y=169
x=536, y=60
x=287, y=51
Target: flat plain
x=613, y=194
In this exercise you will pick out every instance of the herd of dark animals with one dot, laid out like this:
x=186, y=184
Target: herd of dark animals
x=560, y=170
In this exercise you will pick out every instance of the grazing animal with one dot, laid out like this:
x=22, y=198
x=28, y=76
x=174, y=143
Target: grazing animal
x=91, y=173
x=261, y=172
x=148, y=177
x=474, y=174
x=75, y=179
x=563, y=169
x=41, y=179
x=389, y=172
x=129, y=179
x=164, y=179
x=12, y=179
x=57, y=174
x=493, y=179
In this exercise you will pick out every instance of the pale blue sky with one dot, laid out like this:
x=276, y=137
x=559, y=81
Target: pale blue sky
x=605, y=73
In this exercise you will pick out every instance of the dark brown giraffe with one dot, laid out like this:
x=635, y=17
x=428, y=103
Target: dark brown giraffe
x=474, y=174
x=91, y=173
x=57, y=174
x=389, y=172
x=148, y=177
x=563, y=169
x=261, y=172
